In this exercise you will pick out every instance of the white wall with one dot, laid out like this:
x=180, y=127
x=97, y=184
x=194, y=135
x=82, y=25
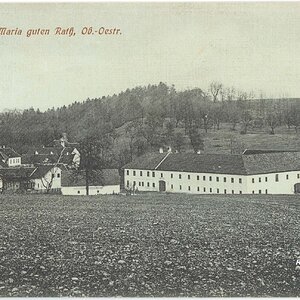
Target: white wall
x=41, y=183
x=93, y=190
x=194, y=183
x=284, y=185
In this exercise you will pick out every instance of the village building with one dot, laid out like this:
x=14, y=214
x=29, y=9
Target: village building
x=42, y=179
x=59, y=151
x=47, y=178
x=15, y=179
x=107, y=183
x=9, y=157
x=68, y=156
x=262, y=172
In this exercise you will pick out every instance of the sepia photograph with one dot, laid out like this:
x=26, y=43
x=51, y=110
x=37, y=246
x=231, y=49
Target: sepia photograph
x=150, y=149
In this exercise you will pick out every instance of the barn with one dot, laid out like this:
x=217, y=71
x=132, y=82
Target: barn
x=253, y=172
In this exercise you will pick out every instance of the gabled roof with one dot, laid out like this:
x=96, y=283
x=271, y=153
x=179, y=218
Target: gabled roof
x=27, y=172
x=235, y=164
x=46, y=159
x=204, y=163
x=107, y=177
x=40, y=150
x=16, y=173
x=42, y=170
x=146, y=162
x=272, y=162
x=8, y=152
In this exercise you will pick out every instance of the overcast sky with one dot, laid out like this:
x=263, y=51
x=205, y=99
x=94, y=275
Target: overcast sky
x=249, y=46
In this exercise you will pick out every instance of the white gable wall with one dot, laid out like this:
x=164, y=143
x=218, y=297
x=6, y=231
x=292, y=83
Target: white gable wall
x=41, y=184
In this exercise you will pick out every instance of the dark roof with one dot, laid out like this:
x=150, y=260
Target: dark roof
x=49, y=150
x=8, y=152
x=262, y=151
x=42, y=170
x=238, y=164
x=3, y=164
x=47, y=158
x=27, y=172
x=204, y=163
x=107, y=177
x=272, y=162
x=146, y=162
x=13, y=173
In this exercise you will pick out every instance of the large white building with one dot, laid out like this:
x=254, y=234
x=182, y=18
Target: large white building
x=254, y=172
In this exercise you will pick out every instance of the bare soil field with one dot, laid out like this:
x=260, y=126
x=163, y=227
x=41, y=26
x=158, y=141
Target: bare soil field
x=149, y=245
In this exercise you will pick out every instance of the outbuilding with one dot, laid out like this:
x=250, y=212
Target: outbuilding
x=75, y=184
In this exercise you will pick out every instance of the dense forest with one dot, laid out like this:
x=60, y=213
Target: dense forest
x=143, y=118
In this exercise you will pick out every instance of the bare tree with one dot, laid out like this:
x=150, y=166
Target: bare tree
x=273, y=120
x=215, y=89
x=246, y=119
x=230, y=94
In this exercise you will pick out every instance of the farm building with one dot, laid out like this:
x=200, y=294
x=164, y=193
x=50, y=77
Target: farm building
x=59, y=151
x=249, y=173
x=15, y=179
x=68, y=156
x=46, y=178
x=38, y=179
x=107, y=183
x=9, y=157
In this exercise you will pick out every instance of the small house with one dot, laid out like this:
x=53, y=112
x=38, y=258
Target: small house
x=9, y=157
x=46, y=178
x=39, y=179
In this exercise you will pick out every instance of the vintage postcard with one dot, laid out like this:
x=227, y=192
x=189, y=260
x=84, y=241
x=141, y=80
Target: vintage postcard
x=150, y=149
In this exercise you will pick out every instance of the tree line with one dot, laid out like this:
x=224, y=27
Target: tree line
x=149, y=117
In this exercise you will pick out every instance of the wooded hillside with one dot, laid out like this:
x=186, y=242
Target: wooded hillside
x=145, y=118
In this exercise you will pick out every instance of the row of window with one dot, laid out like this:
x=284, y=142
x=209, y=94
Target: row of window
x=140, y=183
x=15, y=160
x=210, y=178
x=286, y=177
x=205, y=190
x=276, y=178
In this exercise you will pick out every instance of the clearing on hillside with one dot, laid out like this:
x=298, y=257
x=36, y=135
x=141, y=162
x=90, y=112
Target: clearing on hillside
x=149, y=245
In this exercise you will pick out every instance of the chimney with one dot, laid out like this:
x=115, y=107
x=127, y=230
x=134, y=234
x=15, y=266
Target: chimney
x=161, y=150
x=199, y=152
x=63, y=139
x=64, y=136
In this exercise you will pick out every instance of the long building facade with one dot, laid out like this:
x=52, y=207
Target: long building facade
x=263, y=173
